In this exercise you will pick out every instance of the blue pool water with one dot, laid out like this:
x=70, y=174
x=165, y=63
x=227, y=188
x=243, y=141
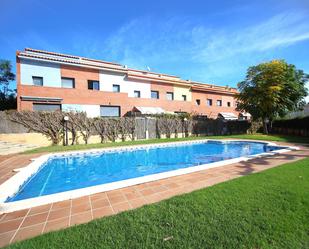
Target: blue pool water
x=65, y=173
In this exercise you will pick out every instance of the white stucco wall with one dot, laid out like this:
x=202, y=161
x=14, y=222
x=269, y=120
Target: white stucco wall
x=179, y=91
x=91, y=110
x=50, y=72
x=107, y=80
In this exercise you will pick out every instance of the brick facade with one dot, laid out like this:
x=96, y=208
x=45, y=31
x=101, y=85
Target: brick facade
x=81, y=95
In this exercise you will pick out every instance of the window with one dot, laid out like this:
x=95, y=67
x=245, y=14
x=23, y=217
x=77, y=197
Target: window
x=198, y=102
x=37, y=81
x=110, y=111
x=116, y=88
x=137, y=94
x=154, y=94
x=170, y=96
x=46, y=107
x=219, y=102
x=209, y=102
x=93, y=85
x=184, y=97
x=67, y=83
x=229, y=104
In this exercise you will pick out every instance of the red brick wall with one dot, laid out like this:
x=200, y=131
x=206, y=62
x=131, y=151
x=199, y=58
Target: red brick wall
x=212, y=111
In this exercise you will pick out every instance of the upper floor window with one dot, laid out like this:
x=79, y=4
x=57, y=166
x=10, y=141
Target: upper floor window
x=37, y=81
x=154, y=94
x=93, y=85
x=67, y=82
x=198, y=102
x=229, y=104
x=184, y=97
x=209, y=102
x=170, y=96
x=137, y=94
x=219, y=102
x=116, y=88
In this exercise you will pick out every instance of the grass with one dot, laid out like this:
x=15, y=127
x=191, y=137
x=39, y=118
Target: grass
x=275, y=138
x=264, y=210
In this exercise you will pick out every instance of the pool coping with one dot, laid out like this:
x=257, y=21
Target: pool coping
x=12, y=185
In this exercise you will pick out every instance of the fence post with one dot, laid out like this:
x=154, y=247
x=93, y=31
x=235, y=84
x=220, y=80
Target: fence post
x=146, y=128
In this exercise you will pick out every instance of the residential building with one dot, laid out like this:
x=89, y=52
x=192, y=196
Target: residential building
x=52, y=81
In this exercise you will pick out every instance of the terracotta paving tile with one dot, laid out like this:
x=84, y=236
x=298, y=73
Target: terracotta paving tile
x=100, y=203
x=15, y=215
x=159, y=188
x=40, y=209
x=101, y=212
x=80, y=208
x=132, y=195
x=166, y=194
x=114, y=193
x=80, y=218
x=121, y=207
x=34, y=219
x=80, y=201
x=5, y=238
x=147, y=191
x=135, y=203
x=172, y=185
x=10, y=225
x=117, y=199
x=98, y=196
x=128, y=190
x=141, y=186
x=56, y=224
x=28, y=232
x=61, y=205
x=59, y=213
x=153, y=184
x=153, y=198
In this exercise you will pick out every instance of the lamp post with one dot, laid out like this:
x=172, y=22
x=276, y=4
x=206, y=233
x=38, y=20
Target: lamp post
x=65, y=121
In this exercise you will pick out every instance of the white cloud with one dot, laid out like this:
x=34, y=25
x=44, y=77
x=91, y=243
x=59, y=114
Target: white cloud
x=199, y=51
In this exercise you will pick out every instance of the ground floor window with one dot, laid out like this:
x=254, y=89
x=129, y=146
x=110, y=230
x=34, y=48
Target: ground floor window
x=110, y=111
x=46, y=107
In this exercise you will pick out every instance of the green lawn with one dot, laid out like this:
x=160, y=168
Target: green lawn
x=276, y=138
x=263, y=210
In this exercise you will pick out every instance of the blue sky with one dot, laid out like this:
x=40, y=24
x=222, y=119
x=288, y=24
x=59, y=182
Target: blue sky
x=209, y=41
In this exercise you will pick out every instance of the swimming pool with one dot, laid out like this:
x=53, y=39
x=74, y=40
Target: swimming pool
x=71, y=172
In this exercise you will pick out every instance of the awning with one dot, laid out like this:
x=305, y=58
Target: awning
x=149, y=110
x=245, y=114
x=41, y=99
x=227, y=115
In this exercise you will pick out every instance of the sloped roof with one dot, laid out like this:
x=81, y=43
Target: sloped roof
x=245, y=114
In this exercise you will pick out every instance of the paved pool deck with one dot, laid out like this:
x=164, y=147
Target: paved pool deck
x=31, y=222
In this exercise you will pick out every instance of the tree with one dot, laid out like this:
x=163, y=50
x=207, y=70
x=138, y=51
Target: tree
x=7, y=96
x=82, y=123
x=272, y=89
x=47, y=123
